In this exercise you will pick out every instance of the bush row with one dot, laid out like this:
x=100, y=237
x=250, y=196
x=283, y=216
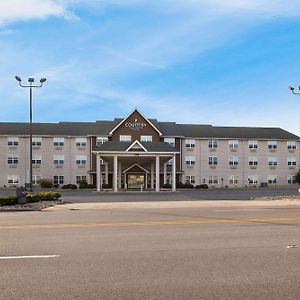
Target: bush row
x=9, y=200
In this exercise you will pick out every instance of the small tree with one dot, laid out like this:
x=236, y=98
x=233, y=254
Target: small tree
x=298, y=177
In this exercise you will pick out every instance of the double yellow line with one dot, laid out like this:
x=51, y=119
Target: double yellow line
x=148, y=223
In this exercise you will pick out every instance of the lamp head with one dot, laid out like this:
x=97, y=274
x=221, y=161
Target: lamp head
x=43, y=80
x=18, y=78
x=30, y=79
x=291, y=88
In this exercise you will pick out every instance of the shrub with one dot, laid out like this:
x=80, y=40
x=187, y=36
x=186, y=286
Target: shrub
x=167, y=186
x=202, y=186
x=9, y=200
x=188, y=186
x=42, y=196
x=106, y=186
x=46, y=183
x=179, y=184
x=69, y=186
x=85, y=185
x=298, y=177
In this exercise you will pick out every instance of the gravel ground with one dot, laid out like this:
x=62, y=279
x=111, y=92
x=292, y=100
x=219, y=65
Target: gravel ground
x=31, y=206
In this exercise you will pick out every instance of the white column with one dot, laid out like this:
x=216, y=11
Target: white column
x=165, y=173
x=152, y=175
x=106, y=172
x=174, y=173
x=125, y=181
x=115, y=175
x=146, y=181
x=119, y=175
x=98, y=172
x=157, y=173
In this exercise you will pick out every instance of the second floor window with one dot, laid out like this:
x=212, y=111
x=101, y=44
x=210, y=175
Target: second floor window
x=58, y=159
x=272, y=161
x=190, y=160
x=252, y=161
x=101, y=140
x=80, y=159
x=146, y=138
x=36, y=159
x=291, y=161
x=233, y=160
x=125, y=138
x=170, y=141
x=13, y=160
x=212, y=160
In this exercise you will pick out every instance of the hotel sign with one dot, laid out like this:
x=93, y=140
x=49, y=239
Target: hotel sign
x=137, y=126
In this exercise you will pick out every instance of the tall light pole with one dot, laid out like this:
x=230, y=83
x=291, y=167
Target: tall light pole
x=30, y=86
x=292, y=89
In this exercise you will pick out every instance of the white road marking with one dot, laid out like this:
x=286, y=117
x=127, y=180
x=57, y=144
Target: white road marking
x=28, y=256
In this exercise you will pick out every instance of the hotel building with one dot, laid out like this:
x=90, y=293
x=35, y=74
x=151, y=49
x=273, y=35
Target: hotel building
x=137, y=152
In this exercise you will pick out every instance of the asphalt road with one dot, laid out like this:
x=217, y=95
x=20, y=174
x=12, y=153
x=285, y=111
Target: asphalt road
x=191, y=253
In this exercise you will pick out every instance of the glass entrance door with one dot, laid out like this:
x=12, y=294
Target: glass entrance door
x=135, y=181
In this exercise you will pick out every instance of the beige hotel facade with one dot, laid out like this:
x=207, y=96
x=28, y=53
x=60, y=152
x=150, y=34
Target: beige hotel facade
x=136, y=152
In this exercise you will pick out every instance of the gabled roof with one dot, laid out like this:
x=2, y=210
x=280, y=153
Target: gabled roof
x=134, y=148
x=135, y=165
x=135, y=110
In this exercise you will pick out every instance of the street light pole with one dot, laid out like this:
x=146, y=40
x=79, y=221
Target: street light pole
x=292, y=89
x=30, y=86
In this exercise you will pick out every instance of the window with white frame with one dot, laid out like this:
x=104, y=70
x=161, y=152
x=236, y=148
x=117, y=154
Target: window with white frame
x=212, y=144
x=272, y=161
x=252, y=179
x=233, y=144
x=190, y=143
x=233, y=179
x=253, y=144
x=13, y=179
x=36, y=179
x=13, y=141
x=190, y=160
x=58, y=141
x=170, y=141
x=100, y=140
x=13, y=159
x=146, y=138
x=272, y=179
x=125, y=138
x=291, y=179
x=252, y=161
x=213, y=160
x=58, y=179
x=213, y=179
x=80, y=159
x=291, y=161
x=37, y=141
x=80, y=142
x=233, y=160
x=36, y=159
x=58, y=159
x=272, y=145
x=190, y=179
x=80, y=178
x=291, y=145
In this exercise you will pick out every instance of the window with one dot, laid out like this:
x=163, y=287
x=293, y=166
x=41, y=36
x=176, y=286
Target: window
x=13, y=141
x=272, y=145
x=212, y=144
x=36, y=159
x=190, y=179
x=146, y=138
x=170, y=141
x=253, y=144
x=13, y=179
x=212, y=160
x=190, y=143
x=13, y=160
x=80, y=178
x=190, y=160
x=291, y=161
x=101, y=140
x=272, y=179
x=36, y=179
x=233, y=160
x=58, y=179
x=291, y=145
x=252, y=161
x=291, y=179
x=233, y=144
x=213, y=180
x=58, y=141
x=58, y=159
x=272, y=161
x=125, y=138
x=80, y=142
x=37, y=141
x=80, y=159
x=252, y=179
x=233, y=179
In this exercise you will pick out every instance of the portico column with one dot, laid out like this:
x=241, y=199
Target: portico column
x=106, y=172
x=152, y=175
x=165, y=173
x=157, y=173
x=119, y=175
x=98, y=172
x=115, y=175
x=174, y=173
x=146, y=181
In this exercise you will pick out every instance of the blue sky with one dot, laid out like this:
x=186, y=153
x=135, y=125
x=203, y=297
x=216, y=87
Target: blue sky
x=219, y=62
